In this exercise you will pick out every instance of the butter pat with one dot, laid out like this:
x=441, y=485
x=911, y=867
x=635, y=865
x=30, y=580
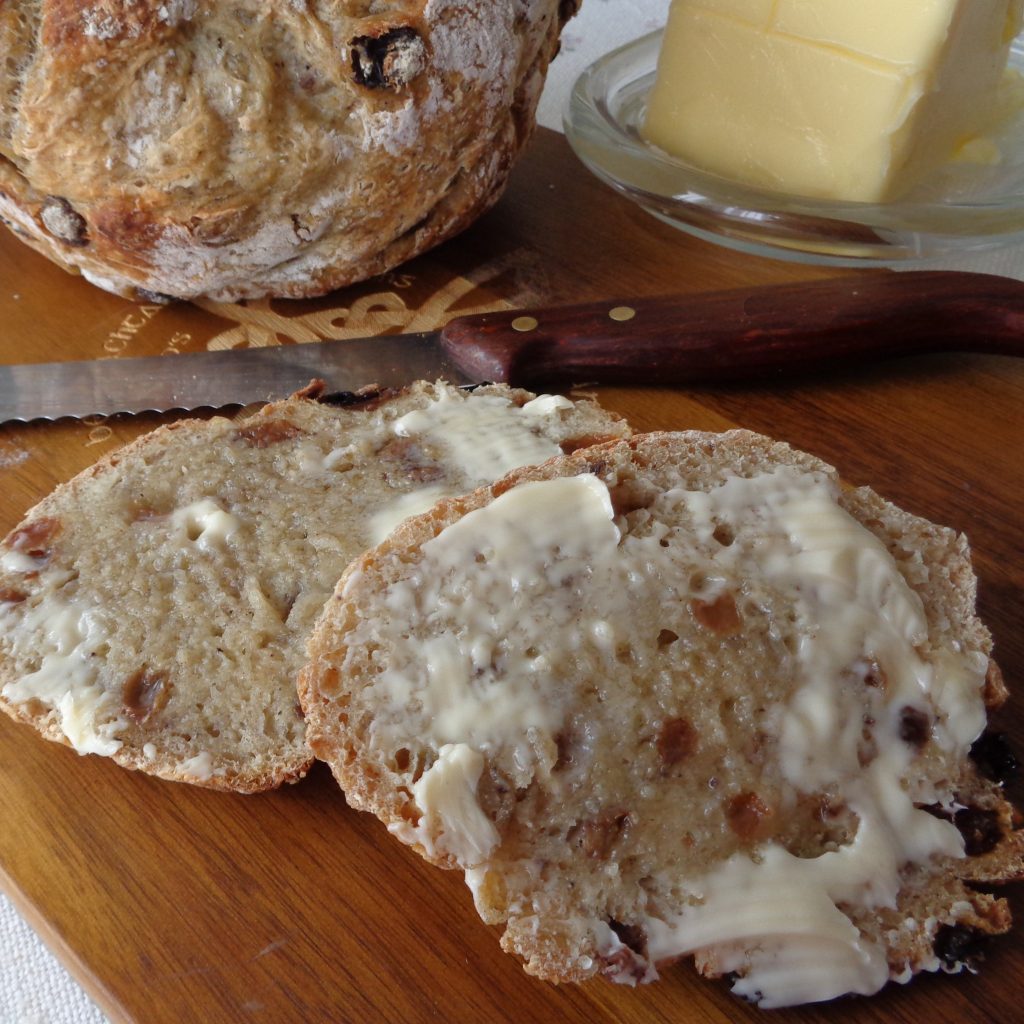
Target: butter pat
x=205, y=524
x=828, y=98
x=447, y=796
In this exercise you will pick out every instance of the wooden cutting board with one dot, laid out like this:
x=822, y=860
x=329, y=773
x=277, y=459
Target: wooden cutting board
x=175, y=904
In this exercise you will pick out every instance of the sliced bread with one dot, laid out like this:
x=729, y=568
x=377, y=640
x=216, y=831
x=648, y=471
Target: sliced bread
x=680, y=696
x=155, y=608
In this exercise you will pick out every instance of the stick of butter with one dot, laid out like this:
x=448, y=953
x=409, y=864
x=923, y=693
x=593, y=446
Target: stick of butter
x=842, y=99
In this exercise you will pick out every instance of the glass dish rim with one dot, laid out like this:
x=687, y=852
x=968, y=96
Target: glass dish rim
x=592, y=122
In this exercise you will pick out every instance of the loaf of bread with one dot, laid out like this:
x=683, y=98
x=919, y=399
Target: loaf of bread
x=155, y=609
x=681, y=696
x=240, y=149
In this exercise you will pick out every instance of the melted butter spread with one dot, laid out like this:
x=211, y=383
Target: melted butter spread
x=205, y=524
x=486, y=681
x=772, y=917
x=200, y=766
x=775, y=918
x=479, y=437
x=477, y=635
x=67, y=638
x=453, y=823
x=852, y=607
x=410, y=504
x=487, y=435
x=18, y=561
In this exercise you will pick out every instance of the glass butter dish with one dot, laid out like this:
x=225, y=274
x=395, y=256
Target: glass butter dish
x=969, y=207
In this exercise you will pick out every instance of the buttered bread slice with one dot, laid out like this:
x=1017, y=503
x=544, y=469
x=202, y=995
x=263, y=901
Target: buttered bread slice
x=680, y=696
x=155, y=609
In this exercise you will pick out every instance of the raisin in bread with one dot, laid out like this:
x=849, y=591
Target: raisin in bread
x=155, y=609
x=676, y=696
x=242, y=148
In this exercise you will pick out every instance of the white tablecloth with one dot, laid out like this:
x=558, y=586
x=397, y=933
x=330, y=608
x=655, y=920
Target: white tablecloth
x=34, y=988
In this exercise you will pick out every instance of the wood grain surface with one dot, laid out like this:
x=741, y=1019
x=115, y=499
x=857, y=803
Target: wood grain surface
x=175, y=904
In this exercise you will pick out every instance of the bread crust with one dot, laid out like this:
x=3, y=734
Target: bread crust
x=545, y=880
x=241, y=149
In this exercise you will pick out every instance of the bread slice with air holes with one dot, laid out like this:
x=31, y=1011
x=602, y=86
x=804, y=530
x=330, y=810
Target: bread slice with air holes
x=155, y=609
x=677, y=696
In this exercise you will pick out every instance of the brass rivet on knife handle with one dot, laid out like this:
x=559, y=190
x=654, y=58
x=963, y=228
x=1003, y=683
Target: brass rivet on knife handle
x=745, y=333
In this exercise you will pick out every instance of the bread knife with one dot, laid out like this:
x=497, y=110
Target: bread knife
x=729, y=336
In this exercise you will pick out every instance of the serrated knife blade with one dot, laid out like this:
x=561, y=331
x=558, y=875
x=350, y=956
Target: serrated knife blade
x=196, y=380
x=746, y=333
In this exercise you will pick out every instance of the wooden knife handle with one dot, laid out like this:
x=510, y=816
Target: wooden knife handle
x=745, y=333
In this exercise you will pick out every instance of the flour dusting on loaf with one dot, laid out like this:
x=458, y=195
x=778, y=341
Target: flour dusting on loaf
x=680, y=696
x=155, y=609
x=244, y=149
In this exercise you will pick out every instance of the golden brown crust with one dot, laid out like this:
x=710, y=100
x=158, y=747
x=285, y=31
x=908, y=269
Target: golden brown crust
x=244, y=149
x=995, y=692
